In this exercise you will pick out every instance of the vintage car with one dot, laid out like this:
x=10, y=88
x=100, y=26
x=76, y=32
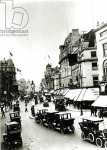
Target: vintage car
x=60, y=104
x=93, y=131
x=102, y=112
x=12, y=135
x=16, y=107
x=60, y=121
x=46, y=104
x=15, y=116
x=64, y=122
x=49, y=118
x=48, y=97
x=40, y=115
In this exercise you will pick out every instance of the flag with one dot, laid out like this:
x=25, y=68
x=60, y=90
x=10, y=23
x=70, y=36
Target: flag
x=10, y=53
x=18, y=70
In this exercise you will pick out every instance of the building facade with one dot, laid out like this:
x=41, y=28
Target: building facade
x=8, y=83
x=57, y=78
x=49, y=77
x=88, y=75
x=64, y=58
x=78, y=60
x=101, y=40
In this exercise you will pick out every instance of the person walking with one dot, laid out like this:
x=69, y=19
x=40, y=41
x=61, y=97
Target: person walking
x=95, y=112
x=92, y=111
x=26, y=110
x=101, y=113
x=3, y=112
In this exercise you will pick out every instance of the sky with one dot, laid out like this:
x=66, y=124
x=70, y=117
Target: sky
x=49, y=24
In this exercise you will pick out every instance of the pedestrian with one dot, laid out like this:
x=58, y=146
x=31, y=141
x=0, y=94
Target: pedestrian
x=95, y=111
x=26, y=110
x=33, y=110
x=101, y=113
x=92, y=111
x=3, y=112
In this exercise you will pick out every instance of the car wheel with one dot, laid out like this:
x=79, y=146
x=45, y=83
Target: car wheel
x=91, y=137
x=73, y=129
x=99, y=142
x=62, y=130
x=83, y=135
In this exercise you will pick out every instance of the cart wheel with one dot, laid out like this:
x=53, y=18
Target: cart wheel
x=91, y=137
x=99, y=142
x=83, y=135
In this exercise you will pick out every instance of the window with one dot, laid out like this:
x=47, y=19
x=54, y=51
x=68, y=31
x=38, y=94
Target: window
x=93, y=54
x=105, y=49
x=94, y=66
x=95, y=81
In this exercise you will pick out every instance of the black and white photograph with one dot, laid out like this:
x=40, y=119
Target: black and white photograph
x=53, y=74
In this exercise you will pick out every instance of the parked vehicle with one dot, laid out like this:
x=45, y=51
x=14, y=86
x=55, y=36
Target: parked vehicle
x=102, y=112
x=46, y=104
x=48, y=97
x=64, y=122
x=15, y=116
x=49, y=118
x=16, y=107
x=92, y=132
x=61, y=121
x=40, y=115
x=60, y=104
x=12, y=135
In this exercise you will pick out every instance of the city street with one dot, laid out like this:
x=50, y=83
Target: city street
x=37, y=137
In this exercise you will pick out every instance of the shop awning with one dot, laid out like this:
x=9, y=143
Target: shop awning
x=73, y=94
x=88, y=95
x=64, y=91
x=61, y=91
x=101, y=101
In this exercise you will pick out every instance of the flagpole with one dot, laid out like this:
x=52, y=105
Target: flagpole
x=48, y=59
x=10, y=54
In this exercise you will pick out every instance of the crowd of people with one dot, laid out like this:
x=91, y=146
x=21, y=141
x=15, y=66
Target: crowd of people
x=94, y=111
